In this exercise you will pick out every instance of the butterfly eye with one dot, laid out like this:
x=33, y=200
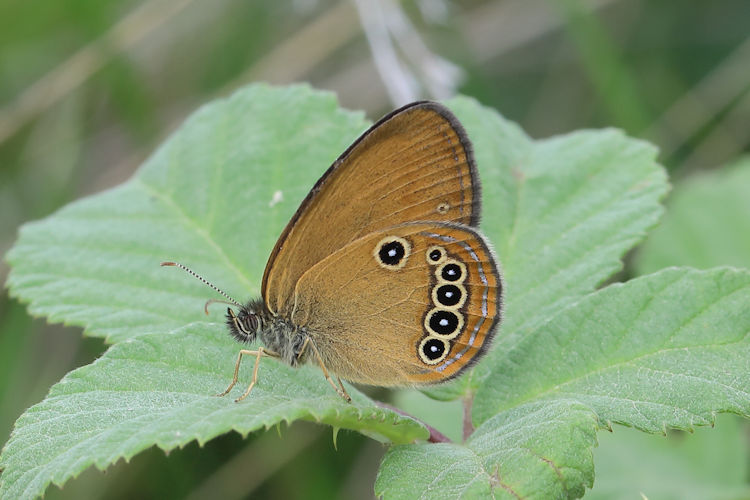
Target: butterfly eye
x=443, y=208
x=452, y=271
x=433, y=350
x=435, y=255
x=392, y=252
x=243, y=326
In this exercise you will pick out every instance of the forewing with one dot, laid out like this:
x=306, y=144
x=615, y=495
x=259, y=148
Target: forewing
x=414, y=164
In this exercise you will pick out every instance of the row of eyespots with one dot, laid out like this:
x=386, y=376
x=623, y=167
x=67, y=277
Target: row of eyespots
x=443, y=322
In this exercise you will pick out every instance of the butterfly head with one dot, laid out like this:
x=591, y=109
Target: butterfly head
x=245, y=324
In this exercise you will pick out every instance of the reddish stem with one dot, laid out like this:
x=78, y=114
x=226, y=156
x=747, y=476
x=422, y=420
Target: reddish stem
x=435, y=435
x=468, y=425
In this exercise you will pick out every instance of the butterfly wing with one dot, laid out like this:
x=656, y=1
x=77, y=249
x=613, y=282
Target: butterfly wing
x=414, y=164
x=412, y=304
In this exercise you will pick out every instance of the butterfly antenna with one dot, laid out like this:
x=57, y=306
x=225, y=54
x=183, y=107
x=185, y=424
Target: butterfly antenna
x=205, y=281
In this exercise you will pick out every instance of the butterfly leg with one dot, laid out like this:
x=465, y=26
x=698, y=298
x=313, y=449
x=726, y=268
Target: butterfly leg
x=258, y=354
x=341, y=384
x=340, y=388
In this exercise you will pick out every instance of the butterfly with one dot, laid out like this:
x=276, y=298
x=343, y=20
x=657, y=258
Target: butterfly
x=382, y=276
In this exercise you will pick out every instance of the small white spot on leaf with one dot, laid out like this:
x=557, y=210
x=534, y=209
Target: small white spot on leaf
x=277, y=197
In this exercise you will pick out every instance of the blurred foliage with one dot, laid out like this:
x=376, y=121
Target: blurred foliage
x=712, y=463
x=88, y=89
x=707, y=223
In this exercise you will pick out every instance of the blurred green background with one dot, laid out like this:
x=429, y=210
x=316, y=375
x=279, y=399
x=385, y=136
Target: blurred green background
x=89, y=88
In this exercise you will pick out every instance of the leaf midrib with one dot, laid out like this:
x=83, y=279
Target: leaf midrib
x=170, y=203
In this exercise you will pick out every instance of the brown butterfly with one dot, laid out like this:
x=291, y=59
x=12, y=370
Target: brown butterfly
x=382, y=277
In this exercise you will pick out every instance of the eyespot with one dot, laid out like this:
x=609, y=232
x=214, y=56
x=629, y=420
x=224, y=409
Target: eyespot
x=433, y=350
x=451, y=271
x=449, y=296
x=443, y=323
x=443, y=208
x=392, y=252
x=435, y=255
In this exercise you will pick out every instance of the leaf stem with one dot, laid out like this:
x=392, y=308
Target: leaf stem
x=435, y=435
x=468, y=428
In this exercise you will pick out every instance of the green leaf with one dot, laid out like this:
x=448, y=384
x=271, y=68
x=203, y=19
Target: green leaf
x=711, y=463
x=667, y=350
x=210, y=197
x=533, y=451
x=206, y=198
x=707, y=224
x=215, y=196
x=445, y=416
x=158, y=389
x=561, y=213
